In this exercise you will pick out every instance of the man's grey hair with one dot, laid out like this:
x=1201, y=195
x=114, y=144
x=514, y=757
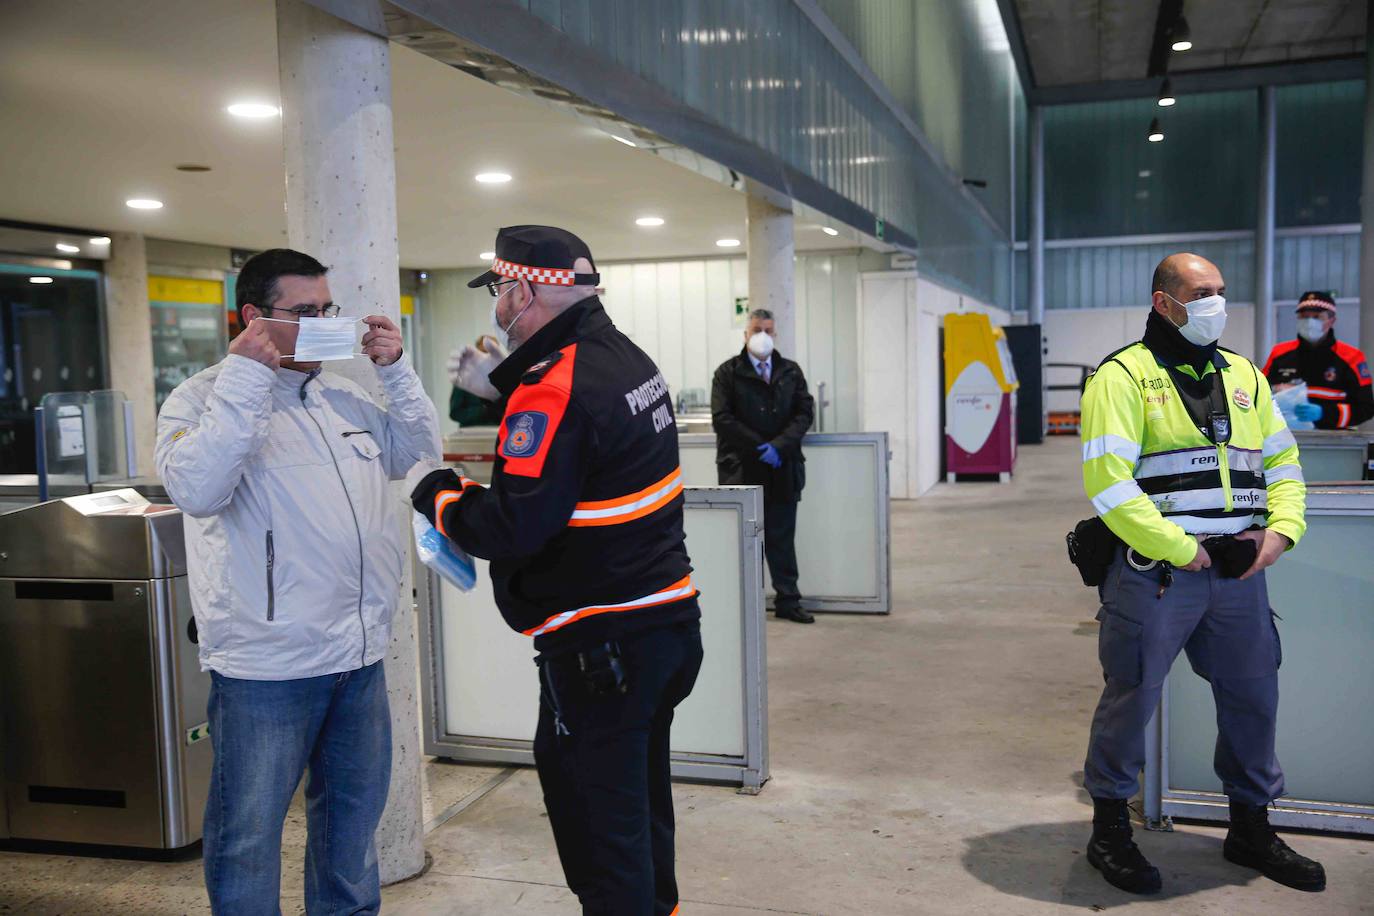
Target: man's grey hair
x=761, y=314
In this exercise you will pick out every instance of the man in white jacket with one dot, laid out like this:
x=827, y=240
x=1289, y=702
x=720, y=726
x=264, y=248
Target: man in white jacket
x=295, y=553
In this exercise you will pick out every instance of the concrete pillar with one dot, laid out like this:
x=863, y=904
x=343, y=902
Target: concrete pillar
x=129, y=330
x=1367, y=201
x=341, y=208
x=772, y=262
x=1035, y=260
x=1264, y=227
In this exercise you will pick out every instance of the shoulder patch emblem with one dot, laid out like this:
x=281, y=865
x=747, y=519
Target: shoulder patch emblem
x=1330, y=374
x=1363, y=370
x=1242, y=398
x=524, y=432
x=536, y=372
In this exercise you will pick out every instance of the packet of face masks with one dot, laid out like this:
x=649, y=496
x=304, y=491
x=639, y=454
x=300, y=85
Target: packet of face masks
x=439, y=554
x=1288, y=400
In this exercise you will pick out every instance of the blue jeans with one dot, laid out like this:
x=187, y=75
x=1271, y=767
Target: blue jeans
x=265, y=733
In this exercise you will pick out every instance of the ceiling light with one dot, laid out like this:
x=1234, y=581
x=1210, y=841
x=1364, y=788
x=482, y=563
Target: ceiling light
x=68, y=249
x=828, y=231
x=649, y=221
x=1156, y=132
x=40, y=280
x=623, y=140
x=487, y=255
x=727, y=243
x=100, y=240
x=143, y=203
x=1182, y=37
x=253, y=110
x=493, y=177
x=1166, y=95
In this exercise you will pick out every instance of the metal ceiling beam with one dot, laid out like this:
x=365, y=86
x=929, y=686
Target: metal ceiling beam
x=1186, y=82
x=1011, y=21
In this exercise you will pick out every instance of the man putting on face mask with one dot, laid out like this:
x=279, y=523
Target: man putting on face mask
x=1188, y=462
x=761, y=409
x=1339, y=389
x=295, y=553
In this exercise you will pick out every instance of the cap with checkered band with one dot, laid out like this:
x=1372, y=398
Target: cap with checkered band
x=540, y=254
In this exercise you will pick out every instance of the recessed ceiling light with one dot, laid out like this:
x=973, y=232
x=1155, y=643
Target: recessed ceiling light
x=727, y=243
x=253, y=110
x=493, y=177
x=143, y=203
x=623, y=140
x=40, y=280
x=68, y=249
x=100, y=240
x=487, y=255
x=649, y=221
x=828, y=231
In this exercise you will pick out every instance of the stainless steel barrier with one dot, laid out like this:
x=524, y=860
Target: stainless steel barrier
x=1335, y=454
x=102, y=701
x=843, y=520
x=480, y=693
x=1323, y=592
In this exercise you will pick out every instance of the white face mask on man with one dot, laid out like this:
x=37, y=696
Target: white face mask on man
x=1311, y=330
x=504, y=332
x=321, y=339
x=1206, y=320
x=761, y=345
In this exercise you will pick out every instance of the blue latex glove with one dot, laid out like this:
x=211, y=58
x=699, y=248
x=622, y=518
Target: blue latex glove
x=769, y=456
x=1308, y=413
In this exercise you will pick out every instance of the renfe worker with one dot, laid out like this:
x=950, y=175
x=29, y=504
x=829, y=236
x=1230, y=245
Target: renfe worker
x=1188, y=461
x=583, y=525
x=295, y=560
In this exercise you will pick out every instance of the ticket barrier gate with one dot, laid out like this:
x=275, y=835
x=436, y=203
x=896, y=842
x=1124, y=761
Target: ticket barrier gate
x=102, y=700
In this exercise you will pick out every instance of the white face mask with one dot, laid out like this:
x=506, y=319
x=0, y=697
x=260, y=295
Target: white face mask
x=321, y=339
x=761, y=345
x=1311, y=330
x=1206, y=320
x=504, y=332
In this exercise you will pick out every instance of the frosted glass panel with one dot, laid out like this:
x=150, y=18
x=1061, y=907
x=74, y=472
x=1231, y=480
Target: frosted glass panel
x=1324, y=591
x=491, y=689
x=1328, y=464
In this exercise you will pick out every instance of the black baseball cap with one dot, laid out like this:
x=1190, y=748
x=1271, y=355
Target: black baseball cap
x=540, y=254
x=1318, y=299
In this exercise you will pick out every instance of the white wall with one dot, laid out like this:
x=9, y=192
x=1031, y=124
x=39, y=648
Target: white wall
x=901, y=388
x=1086, y=336
x=683, y=314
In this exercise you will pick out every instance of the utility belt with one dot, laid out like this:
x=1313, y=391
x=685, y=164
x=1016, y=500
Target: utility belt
x=1092, y=548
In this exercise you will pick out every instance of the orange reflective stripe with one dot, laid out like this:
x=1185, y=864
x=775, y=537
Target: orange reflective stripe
x=628, y=508
x=444, y=498
x=1325, y=394
x=1342, y=416
x=676, y=910
x=675, y=592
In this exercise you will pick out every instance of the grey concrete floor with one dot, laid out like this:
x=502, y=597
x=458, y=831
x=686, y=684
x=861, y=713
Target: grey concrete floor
x=926, y=762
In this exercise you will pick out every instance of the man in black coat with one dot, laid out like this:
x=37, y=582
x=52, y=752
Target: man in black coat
x=760, y=409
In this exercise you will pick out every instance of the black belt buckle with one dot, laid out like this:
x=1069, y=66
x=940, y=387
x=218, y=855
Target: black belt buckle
x=603, y=670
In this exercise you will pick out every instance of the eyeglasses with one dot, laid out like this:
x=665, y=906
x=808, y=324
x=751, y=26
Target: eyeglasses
x=495, y=287
x=309, y=311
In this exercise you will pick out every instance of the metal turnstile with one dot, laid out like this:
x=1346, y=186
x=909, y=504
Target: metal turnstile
x=102, y=701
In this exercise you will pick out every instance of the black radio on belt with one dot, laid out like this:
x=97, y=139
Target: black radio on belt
x=1092, y=547
x=602, y=670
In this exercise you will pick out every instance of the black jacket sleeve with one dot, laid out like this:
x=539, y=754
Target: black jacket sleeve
x=730, y=430
x=788, y=442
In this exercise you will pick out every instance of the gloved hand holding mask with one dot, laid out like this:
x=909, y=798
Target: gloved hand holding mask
x=474, y=364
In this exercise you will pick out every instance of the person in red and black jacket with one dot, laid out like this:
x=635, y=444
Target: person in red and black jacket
x=1337, y=374
x=583, y=525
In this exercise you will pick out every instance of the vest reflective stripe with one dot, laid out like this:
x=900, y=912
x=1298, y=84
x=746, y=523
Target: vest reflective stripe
x=675, y=592
x=1284, y=472
x=1192, y=460
x=1122, y=448
x=1279, y=442
x=628, y=508
x=1190, y=501
x=1115, y=495
x=1230, y=524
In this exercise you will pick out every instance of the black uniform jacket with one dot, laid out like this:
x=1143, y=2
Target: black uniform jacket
x=582, y=522
x=746, y=412
x=1337, y=377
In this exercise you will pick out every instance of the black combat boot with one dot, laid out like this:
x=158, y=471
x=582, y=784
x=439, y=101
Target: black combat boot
x=1253, y=843
x=1112, y=852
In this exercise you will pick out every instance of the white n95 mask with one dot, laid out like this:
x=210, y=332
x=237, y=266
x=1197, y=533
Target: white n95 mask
x=1311, y=329
x=1206, y=320
x=761, y=346
x=321, y=339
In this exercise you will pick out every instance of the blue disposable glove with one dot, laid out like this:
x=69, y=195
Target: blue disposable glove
x=1308, y=413
x=769, y=456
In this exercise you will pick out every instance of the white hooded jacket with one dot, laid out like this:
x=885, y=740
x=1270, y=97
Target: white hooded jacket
x=293, y=540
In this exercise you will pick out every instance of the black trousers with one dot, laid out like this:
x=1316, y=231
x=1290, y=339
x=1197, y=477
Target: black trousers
x=780, y=549
x=603, y=765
